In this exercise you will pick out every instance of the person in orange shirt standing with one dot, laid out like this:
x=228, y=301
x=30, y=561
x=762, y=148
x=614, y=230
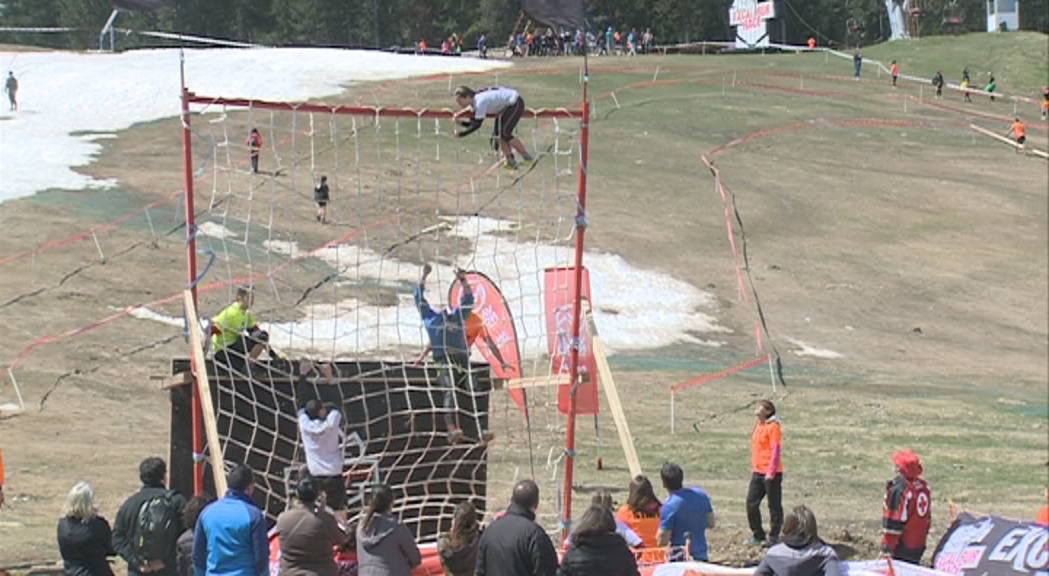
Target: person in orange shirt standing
x=766, y=448
x=895, y=71
x=1042, y=518
x=1018, y=132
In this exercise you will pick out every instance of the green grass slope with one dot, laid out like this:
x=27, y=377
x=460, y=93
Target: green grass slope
x=1019, y=61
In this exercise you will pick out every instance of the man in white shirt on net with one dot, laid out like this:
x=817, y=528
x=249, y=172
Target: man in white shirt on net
x=507, y=106
x=320, y=426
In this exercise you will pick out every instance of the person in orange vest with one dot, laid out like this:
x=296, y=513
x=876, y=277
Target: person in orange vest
x=895, y=71
x=1045, y=102
x=1042, y=518
x=812, y=43
x=1019, y=133
x=766, y=479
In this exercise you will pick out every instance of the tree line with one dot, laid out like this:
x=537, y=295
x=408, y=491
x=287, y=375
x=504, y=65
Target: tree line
x=402, y=23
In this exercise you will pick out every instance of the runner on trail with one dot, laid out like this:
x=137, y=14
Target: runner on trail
x=1019, y=132
x=937, y=81
x=254, y=147
x=895, y=71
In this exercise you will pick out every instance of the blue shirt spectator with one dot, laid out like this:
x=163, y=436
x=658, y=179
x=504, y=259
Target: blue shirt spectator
x=446, y=327
x=230, y=538
x=684, y=515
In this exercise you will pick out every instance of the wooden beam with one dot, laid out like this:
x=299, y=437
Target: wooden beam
x=196, y=346
x=169, y=382
x=609, y=386
x=535, y=382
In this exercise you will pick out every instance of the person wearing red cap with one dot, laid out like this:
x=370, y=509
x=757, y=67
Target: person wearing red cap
x=908, y=510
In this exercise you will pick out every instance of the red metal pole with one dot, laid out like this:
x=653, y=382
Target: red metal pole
x=191, y=270
x=584, y=152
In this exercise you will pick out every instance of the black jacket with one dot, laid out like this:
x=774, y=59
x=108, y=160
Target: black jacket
x=461, y=560
x=125, y=529
x=599, y=555
x=85, y=546
x=515, y=545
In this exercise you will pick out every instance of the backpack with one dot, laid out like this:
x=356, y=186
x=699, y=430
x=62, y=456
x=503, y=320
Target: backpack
x=157, y=528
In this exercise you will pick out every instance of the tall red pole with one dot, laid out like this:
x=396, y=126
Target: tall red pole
x=191, y=271
x=573, y=366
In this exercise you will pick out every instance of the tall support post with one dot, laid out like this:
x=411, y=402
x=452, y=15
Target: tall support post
x=191, y=273
x=577, y=306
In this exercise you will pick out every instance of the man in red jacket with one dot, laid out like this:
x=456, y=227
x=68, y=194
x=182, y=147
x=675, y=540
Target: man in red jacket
x=908, y=510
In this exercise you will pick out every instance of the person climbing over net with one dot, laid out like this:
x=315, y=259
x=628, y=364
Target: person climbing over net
x=508, y=105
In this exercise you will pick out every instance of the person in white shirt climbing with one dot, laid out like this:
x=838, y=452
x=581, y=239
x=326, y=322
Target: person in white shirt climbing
x=320, y=426
x=506, y=105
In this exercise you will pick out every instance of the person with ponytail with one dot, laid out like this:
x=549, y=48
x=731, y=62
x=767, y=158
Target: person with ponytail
x=385, y=547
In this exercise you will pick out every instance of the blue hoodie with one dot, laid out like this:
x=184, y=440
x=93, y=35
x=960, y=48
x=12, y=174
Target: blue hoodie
x=230, y=538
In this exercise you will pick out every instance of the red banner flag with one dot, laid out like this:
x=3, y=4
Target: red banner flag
x=492, y=324
x=559, y=297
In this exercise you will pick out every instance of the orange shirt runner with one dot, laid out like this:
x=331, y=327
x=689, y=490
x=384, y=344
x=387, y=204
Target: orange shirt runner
x=765, y=446
x=1019, y=130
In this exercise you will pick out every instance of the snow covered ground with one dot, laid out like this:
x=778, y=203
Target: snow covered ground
x=68, y=101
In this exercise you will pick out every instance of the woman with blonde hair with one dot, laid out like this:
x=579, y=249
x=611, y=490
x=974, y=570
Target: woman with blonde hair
x=84, y=538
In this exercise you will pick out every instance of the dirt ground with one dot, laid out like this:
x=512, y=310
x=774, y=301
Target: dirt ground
x=913, y=249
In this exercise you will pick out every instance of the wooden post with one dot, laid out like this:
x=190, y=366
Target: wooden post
x=609, y=386
x=204, y=387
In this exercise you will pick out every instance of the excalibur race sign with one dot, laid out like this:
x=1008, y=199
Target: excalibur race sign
x=750, y=18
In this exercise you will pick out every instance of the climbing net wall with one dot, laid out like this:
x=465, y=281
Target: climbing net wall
x=334, y=292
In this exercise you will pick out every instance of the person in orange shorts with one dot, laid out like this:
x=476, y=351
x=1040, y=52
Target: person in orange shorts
x=1018, y=132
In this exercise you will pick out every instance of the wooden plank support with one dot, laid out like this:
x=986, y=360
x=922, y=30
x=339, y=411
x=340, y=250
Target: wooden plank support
x=609, y=386
x=218, y=469
x=534, y=382
x=169, y=382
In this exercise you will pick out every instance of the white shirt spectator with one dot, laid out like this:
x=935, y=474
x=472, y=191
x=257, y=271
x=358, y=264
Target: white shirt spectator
x=493, y=101
x=321, y=439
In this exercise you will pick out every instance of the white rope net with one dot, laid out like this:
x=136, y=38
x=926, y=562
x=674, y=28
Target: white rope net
x=339, y=294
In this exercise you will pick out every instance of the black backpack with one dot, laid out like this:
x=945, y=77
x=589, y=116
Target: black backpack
x=157, y=528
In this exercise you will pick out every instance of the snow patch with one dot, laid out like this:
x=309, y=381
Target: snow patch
x=808, y=350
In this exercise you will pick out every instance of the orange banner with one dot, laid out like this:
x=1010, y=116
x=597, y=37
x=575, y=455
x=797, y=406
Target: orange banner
x=559, y=298
x=497, y=328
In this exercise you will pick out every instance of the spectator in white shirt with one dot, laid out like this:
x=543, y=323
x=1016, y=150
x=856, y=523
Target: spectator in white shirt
x=320, y=426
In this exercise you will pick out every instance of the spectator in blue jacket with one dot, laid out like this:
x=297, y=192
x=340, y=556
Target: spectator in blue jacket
x=230, y=538
x=447, y=332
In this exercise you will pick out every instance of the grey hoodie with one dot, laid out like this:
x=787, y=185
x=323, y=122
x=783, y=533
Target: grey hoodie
x=386, y=548
x=817, y=559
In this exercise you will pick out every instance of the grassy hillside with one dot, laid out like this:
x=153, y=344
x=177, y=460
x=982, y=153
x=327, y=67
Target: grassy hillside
x=1019, y=61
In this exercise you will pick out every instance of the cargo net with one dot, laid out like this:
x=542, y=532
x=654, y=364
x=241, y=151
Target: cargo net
x=332, y=289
